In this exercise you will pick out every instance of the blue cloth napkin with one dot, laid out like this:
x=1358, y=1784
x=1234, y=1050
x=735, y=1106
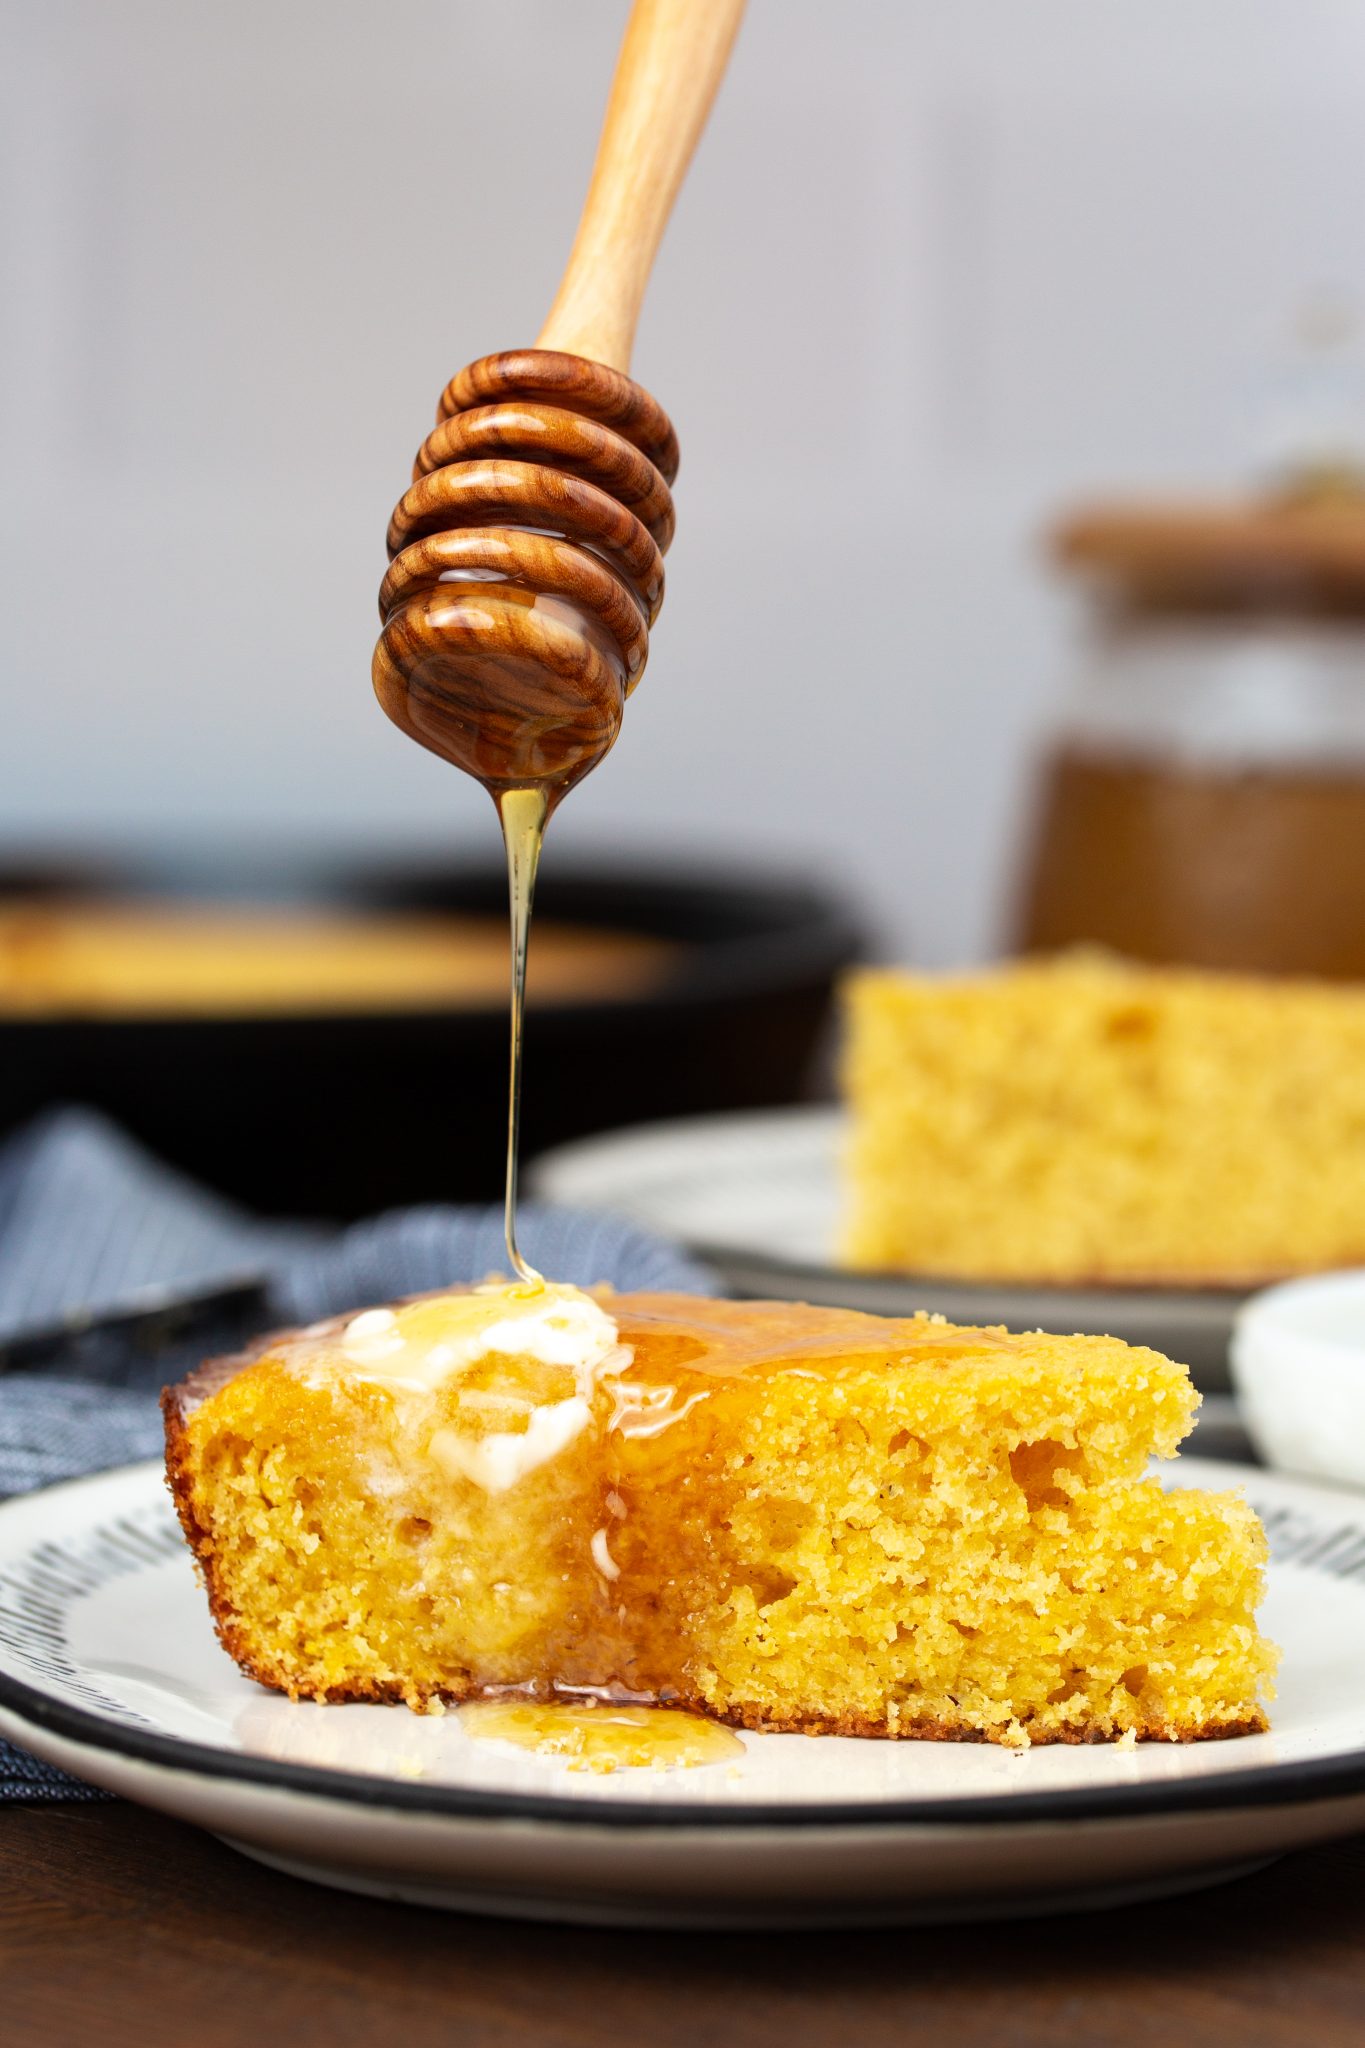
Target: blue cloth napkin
x=91, y=1226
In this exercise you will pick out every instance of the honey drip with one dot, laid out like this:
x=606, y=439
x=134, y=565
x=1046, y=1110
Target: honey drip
x=604, y=1737
x=523, y=813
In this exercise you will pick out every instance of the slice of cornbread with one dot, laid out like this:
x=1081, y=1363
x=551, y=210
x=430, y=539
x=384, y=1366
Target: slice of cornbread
x=1083, y=1119
x=789, y=1517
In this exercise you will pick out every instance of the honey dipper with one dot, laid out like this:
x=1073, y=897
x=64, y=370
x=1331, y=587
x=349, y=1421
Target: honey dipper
x=527, y=555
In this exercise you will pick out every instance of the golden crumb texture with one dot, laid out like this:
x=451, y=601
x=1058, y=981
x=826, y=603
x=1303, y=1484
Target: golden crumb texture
x=786, y=1517
x=1081, y=1119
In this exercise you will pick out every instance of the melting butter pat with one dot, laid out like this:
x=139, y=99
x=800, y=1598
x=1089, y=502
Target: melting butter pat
x=418, y=1348
x=497, y=1461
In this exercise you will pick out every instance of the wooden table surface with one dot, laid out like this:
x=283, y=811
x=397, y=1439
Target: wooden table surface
x=118, y=1927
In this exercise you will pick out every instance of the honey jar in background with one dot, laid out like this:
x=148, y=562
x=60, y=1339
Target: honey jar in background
x=1202, y=796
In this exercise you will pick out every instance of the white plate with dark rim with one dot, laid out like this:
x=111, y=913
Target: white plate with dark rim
x=108, y=1667
x=755, y=1193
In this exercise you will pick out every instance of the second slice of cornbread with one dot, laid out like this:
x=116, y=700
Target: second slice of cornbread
x=1087, y=1120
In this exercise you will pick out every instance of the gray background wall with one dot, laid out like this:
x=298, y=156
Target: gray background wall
x=940, y=264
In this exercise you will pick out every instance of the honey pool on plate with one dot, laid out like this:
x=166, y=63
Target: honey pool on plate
x=600, y=1737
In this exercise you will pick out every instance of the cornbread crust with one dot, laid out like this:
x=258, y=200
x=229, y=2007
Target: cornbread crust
x=244, y=1640
x=939, y=1730
x=177, y=1403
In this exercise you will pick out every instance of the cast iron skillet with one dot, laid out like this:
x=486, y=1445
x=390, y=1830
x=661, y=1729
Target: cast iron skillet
x=340, y=1115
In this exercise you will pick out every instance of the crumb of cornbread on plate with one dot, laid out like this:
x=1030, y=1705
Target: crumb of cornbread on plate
x=1084, y=1119
x=783, y=1516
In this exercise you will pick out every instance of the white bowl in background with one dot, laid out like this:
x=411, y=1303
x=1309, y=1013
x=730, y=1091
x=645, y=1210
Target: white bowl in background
x=1298, y=1366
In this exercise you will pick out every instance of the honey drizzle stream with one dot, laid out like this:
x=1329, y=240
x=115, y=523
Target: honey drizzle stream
x=523, y=813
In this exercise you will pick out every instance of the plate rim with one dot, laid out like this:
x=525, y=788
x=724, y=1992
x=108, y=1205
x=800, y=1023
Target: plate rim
x=1309, y=1781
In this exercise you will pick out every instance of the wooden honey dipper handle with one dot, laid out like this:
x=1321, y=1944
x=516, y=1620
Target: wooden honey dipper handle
x=671, y=63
